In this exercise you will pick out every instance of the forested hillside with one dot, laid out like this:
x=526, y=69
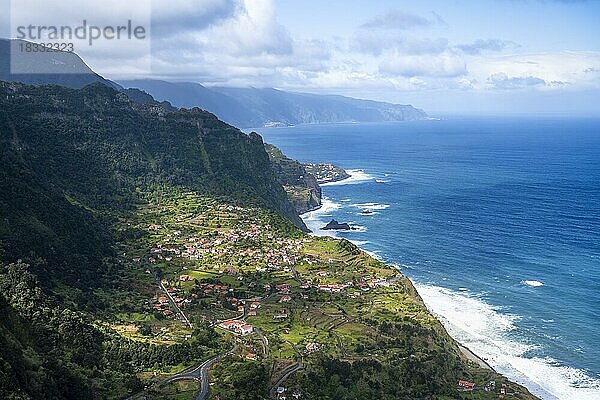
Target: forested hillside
x=73, y=163
x=72, y=156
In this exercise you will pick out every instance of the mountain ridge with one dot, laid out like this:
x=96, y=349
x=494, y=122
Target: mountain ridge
x=256, y=107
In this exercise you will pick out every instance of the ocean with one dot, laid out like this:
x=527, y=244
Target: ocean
x=496, y=221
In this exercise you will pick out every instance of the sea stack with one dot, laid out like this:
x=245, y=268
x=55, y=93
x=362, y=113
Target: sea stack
x=334, y=225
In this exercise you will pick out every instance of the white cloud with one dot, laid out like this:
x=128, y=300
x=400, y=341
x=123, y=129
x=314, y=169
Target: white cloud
x=400, y=20
x=446, y=64
x=241, y=42
x=500, y=80
x=482, y=45
x=249, y=48
x=376, y=42
x=556, y=69
x=253, y=30
x=174, y=17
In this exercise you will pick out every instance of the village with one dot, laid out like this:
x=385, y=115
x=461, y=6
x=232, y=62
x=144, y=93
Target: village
x=283, y=299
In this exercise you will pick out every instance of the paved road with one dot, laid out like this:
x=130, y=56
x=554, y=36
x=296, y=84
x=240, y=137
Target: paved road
x=265, y=341
x=296, y=350
x=182, y=316
x=200, y=373
x=203, y=394
x=340, y=347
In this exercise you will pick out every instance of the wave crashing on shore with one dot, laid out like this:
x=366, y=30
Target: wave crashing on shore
x=356, y=176
x=491, y=334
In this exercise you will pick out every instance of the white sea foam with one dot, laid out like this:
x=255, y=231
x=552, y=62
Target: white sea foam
x=356, y=176
x=360, y=242
x=532, y=283
x=490, y=334
x=315, y=220
x=375, y=255
x=371, y=206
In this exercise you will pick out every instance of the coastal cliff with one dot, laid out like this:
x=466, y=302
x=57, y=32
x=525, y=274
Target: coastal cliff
x=301, y=181
x=300, y=185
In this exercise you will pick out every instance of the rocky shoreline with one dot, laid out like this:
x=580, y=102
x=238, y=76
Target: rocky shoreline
x=302, y=181
x=467, y=353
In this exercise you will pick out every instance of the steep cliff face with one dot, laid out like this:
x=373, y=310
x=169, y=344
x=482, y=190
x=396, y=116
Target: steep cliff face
x=301, y=186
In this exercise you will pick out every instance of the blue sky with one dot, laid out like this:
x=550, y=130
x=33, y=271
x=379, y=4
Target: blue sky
x=459, y=57
x=537, y=25
x=561, y=37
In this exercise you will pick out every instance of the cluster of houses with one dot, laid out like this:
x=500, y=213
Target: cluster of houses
x=256, y=246
x=281, y=256
x=237, y=326
x=490, y=386
x=280, y=315
x=162, y=302
x=332, y=287
x=366, y=285
x=214, y=289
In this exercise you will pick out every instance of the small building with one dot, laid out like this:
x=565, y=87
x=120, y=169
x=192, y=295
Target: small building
x=244, y=329
x=255, y=305
x=280, y=315
x=284, y=288
x=312, y=347
x=285, y=299
x=466, y=385
x=230, y=325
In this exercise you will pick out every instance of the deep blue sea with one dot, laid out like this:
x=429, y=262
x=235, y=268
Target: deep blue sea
x=497, y=221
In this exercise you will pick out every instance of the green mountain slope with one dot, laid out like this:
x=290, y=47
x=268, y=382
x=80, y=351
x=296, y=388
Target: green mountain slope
x=72, y=156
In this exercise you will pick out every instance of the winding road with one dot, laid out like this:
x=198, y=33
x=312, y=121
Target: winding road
x=264, y=340
x=203, y=394
x=200, y=373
